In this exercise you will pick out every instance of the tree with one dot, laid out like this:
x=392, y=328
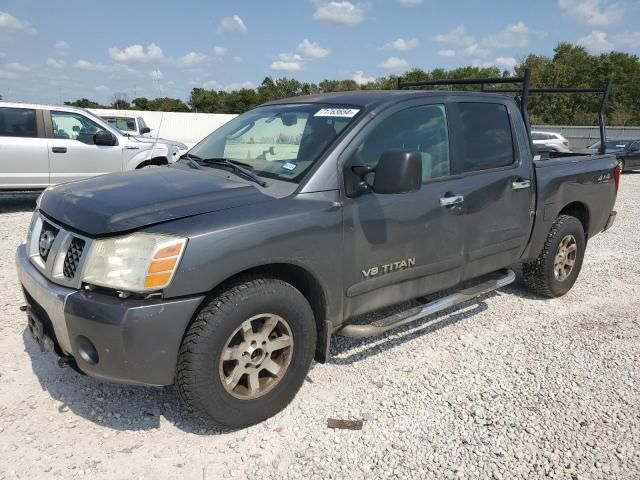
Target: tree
x=119, y=101
x=84, y=103
x=141, y=103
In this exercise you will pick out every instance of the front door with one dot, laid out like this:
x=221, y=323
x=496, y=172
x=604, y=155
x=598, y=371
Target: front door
x=72, y=152
x=401, y=246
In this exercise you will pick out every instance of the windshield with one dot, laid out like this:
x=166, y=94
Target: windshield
x=612, y=144
x=277, y=141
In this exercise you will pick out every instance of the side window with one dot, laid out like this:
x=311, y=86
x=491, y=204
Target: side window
x=419, y=129
x=486, y=140
x=74, y=126
x=141, y=123
x=18, y=122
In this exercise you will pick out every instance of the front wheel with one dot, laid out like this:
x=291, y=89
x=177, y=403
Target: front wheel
x=556, y=269
x=247, y=353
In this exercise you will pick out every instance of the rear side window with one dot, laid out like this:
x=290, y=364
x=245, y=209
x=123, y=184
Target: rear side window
x=486, y=136
x=18, y=122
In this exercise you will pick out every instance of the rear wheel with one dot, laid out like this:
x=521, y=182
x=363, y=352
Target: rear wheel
x=557, y=267
x=247, y=353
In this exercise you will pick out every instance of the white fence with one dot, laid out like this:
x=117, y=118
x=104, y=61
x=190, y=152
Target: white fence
x=188, y=128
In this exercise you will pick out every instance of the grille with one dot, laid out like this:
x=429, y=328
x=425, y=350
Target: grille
x=72, y=259
x=47, y=235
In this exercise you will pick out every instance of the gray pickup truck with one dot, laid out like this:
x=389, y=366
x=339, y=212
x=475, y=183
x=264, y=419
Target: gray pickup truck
x=228, y=272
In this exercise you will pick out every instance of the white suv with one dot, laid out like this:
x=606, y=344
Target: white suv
x=43, y=145
x=551, y=140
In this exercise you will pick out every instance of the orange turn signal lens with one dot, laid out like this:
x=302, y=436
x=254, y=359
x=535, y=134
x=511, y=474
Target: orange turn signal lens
x=158, y=280
x=158, y=266
x=170, y=251
x=163, y=265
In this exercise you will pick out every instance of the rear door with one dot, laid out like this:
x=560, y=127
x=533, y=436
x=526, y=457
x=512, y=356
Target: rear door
x=72, y=152
x=401, y=246
x=632, y=156
x=498, y=183
x=24, y=162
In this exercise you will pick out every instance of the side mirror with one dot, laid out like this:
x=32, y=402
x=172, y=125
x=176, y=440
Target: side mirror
x=105, y=139
x=398, y=172
x=144, y=130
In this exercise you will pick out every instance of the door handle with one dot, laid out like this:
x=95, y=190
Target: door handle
x=520, y=184
x=451, y=200
x=59, y=149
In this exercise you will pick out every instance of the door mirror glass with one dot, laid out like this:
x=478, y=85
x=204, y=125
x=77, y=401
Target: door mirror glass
x=144, y=130
x=104, y=138
x=398, y=172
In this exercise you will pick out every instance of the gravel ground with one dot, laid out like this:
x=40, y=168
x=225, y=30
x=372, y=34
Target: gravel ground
x=510, y=386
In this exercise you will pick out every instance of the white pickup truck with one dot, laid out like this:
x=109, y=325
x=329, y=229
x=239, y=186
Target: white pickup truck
x=43, y=145
x=130, y=125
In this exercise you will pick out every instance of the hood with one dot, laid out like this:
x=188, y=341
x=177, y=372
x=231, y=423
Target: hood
x=142, y=139
x=126, y=201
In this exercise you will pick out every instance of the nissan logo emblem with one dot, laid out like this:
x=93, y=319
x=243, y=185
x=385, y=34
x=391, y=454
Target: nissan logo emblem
x=46, y=240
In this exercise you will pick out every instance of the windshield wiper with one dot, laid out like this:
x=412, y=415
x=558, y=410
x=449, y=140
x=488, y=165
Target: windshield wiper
x=238, y=167
x=192, y=159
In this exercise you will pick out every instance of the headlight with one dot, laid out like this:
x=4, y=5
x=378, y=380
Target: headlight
x=139, y=262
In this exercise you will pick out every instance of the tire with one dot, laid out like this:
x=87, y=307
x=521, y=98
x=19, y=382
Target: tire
x=221, y=327
x=542, y=275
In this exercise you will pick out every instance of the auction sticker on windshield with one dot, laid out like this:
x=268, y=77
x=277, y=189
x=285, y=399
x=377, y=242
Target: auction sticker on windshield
x=337, y=112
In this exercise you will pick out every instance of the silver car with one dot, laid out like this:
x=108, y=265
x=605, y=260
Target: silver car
x=42, y=145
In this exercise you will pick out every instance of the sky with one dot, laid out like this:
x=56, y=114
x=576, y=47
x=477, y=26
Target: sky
x=51, y=52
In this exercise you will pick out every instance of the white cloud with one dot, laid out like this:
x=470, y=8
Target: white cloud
x=137, y=53
x=102, y=89
x=410, y=3
x=518, y=35
x=448, y=52
x=86, y=65
x=455, y=37
x=591, y=12
x=190, y=60
x=16, y=67
x=237, y=59
x=289, y=62
x=156, y=75
x=394, y=63
x=232, y=24
x=62, y=46
x=312, y=49
x=506, y=63
x=220, y=51
x=209, y=84
x=402, y=44
x=8, y=75
x=53, y=63
x=10, y=24
x=339, y=12
x=239, y=85
x=628, y=39
x=596, y=42
x=360, y=78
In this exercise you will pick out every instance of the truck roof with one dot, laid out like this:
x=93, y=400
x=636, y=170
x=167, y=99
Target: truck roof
x=370, y=98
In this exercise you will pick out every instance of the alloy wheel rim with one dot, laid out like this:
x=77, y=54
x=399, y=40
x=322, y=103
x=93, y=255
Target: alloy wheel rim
x=565, y=258
x=256, y=356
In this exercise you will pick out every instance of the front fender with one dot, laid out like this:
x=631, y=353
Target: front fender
x=155, y=151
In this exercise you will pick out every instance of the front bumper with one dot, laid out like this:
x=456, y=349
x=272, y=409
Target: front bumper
x=135, y=341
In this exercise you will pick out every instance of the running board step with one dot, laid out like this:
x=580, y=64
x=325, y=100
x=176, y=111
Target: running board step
x=402, y=318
